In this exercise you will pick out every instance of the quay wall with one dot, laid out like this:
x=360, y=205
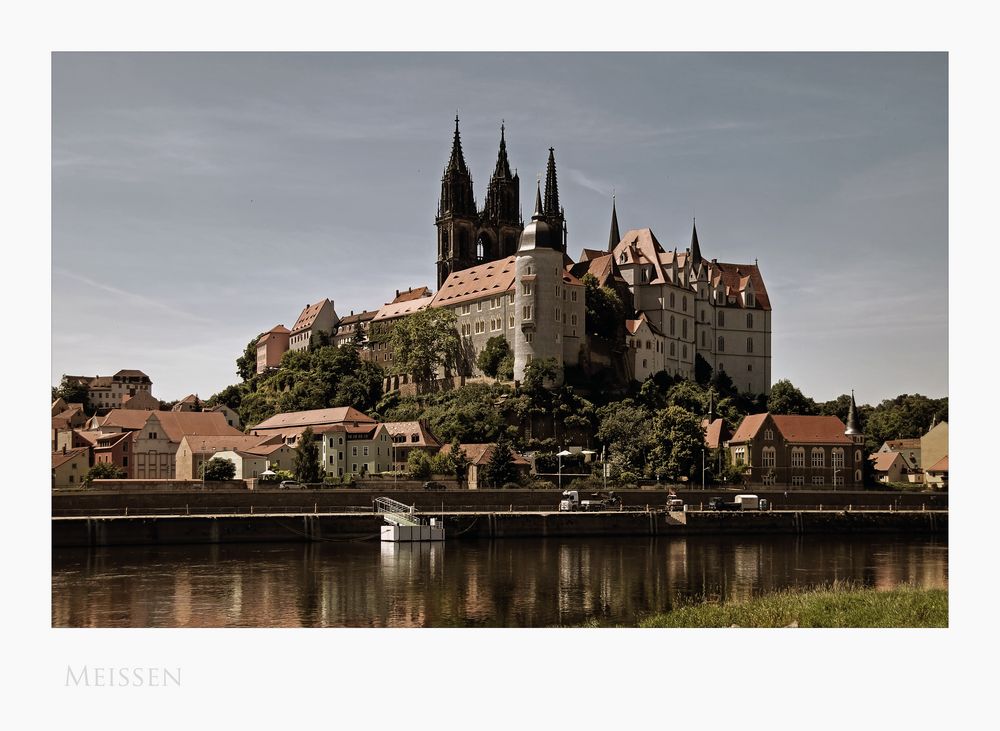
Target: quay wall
x=171, y=498
x=179, y=529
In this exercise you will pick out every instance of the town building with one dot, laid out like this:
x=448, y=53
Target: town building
x=408, y=436
x=70, y=467
x=800, y=451
x=937, y=474
x=271, y=346
x=354, y=328
x=479, y=456
x=142, y=401
x=934, y=454
x=890, y=466
x=378, y=348
x=108, y=392
x=315, y=319
x=646, y=348
x=909, y=448
x=115, y=448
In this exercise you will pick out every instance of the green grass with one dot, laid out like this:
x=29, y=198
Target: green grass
x=838, y=605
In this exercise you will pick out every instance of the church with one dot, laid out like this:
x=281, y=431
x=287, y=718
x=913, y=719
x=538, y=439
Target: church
x=502, y=277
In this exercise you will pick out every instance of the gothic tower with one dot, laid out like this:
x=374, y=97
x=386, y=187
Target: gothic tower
x=457, y=219
x=500, y=222
x=552, y=212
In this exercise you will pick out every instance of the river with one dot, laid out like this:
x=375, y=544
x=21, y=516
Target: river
x=500, y=583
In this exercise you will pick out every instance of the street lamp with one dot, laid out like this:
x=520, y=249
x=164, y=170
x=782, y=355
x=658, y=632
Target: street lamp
x=562, y=453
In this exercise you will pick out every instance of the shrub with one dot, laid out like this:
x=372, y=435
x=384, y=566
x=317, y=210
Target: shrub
x=104, y=471
x=218, y=469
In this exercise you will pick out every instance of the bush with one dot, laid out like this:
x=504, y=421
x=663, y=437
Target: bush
x=542, y=485
x=218, y=469
x=419, y=464
x=511, y=486
x=104, y=471
x=627, y=478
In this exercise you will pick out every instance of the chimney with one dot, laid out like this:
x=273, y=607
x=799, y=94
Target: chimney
x=64, y=448
x=397, y=293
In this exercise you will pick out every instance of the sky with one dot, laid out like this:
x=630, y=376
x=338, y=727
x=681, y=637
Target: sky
x=200, y=199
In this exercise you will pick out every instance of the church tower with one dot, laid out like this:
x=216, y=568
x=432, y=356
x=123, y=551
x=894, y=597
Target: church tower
x=500, y=222
x=553, y=213
x=457, y=219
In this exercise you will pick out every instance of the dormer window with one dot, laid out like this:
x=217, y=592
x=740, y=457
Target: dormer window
x=748, y=299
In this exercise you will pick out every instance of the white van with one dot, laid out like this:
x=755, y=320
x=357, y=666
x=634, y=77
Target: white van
x=748, y=502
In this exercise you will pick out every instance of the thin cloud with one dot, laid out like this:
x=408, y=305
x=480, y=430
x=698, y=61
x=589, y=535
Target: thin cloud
x=133, y=297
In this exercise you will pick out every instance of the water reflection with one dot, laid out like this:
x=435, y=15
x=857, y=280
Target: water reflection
x=501, y=583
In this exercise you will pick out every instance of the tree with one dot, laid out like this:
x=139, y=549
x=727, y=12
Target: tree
x=625, y=429
x=105, y=471
x=460, y=460
x=702, y=370
x=72, y=392
x=424, y=341
x=679, y=442
x=307, y=466
x=418, y=464
x=605, y=312
x=787, y=399
x=246, y=364
x=500, y=468
x=218, y=469
x=492, y=355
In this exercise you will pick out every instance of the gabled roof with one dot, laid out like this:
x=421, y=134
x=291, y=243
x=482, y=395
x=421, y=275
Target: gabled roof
x=411, y=294
x=896, y=445
x=736, y=277
x=309, y=315
x=601, y=265
x=274, y=333
x=176, y=424
x=393, y=310
x=795, y=429
x=353, y=319
x=483, y=280
x=109, y=441
x=229, y=443
x=315, y=417
x=940, y=466
x=716, y=433
x=61, y=458
x=410, y=428
x=480, y=454
x=130, y=374
x=633, y=325
x=883, y=461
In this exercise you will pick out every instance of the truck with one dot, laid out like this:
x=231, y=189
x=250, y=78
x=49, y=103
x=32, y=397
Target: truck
x=739, y=502
x=571, y=501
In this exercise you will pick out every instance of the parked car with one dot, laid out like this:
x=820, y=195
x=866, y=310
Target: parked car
x=285, y=484
x=434, y=486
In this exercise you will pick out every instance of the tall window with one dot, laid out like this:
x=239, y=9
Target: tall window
x=837, y=458
x=526, y=312
x=739, y=455
x=672, y=325
x=672, y=299
x=818, y=458
x=684, y=329
x=684, y=303
x=798, y=457
x=749, y=320
x=769, y=435
x=767, y=457
x=722, y=344
x=525, y=288
x=749, y=345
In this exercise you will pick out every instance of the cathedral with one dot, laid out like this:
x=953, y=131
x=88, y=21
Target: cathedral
x=502, y=277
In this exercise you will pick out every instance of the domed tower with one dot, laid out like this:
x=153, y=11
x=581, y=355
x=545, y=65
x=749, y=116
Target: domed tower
x=537, y=280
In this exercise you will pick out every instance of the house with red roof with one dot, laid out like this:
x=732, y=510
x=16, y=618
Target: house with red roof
x=314, y=319
x=800, y=451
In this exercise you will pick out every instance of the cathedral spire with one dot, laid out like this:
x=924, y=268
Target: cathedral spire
x=456, y=163
x=615, y=236
x=695, y=248
x=852, y=418
x=538, y=202
x=551, y=186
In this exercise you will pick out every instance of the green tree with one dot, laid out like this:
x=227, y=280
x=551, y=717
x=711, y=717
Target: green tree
x=218, y=469
x=679, y=441
x=105, y=471
x=460, y=460
x=442, y=464
x=702, y=370
x=500, y=468
x=418, y=464
x=246, y=364
x=307, y=455
x=605, y=313
x=492, y=355
x=424, y=341
x=626, y=431
x=505, y=371
x=72, y=392
x=787, y=399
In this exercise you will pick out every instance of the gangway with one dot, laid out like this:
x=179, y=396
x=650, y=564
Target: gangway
x=404, y=524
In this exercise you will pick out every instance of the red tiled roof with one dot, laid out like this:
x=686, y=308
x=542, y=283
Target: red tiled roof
x=795, y=429
x=940, y=466
x=411, y=294
x=393, y=310
x=315, y=417
x=483, y=280
x=715, y=433
x=232, y=442
x=61, y=458
x=176, y=424
x=882, y=461
x=407, y=429
x=308, y=316
x=898, y=444
x=600, y=264
x=360, y=317
x=479, y=454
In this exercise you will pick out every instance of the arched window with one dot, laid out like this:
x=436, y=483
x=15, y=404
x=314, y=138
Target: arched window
x=479, y=250
x=722, y=318
x=749, y=320
x=684, y=351
x=722, y=344
x=684, y=303
x=818, y=457
x=749, y=345
x=767, y=455
x=672, y=325
x=857, y=456
x=837, y=458
x=704, y=339
x=684, y=329
x=673, y=348
x=671, y=299
x=798, y=457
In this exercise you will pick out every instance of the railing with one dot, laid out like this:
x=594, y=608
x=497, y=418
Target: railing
x=395, y=511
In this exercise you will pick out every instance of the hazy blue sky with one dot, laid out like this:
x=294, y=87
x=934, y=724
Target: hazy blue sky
x=199, y=199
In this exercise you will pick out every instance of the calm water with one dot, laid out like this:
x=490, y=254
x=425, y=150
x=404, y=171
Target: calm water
x=512, y=583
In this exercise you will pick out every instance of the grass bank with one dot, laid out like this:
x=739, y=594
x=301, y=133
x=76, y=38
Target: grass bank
x=839, y=605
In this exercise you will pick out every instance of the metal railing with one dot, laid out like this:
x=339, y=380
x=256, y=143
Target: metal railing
x=396, y=512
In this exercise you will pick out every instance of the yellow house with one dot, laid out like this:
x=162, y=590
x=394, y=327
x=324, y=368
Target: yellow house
x=70, y=467
x=933, y=449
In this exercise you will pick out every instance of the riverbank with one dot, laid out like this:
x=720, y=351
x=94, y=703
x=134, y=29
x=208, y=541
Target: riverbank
x=838, y=605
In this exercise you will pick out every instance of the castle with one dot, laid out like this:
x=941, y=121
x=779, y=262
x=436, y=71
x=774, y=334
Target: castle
x=504, y=278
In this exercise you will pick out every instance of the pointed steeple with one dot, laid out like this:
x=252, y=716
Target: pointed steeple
x=457, y=198
x=538, y=203
x=695, y=248
x=615, y=236
x=502, y=194
x=853, y=428
x=551, y=186
x=456, y=163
